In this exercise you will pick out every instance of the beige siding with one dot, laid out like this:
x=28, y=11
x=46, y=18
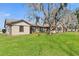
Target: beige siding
x=8, y=29
x=15, y=28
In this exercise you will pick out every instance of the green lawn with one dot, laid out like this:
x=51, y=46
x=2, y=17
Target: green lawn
x=62, y=44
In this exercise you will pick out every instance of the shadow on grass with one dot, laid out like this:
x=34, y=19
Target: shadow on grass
x=66, y=49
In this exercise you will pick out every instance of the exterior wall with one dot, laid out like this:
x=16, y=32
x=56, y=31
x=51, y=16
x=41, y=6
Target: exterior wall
x=15, y=29
x=8, y=30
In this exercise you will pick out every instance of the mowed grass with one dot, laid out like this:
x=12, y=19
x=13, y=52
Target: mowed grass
x=61, y=44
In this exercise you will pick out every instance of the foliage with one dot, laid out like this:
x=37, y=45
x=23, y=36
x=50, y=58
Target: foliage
x=4, y=30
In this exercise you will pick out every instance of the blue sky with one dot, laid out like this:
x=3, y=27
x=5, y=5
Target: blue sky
x=73, y=6
x=19, y=10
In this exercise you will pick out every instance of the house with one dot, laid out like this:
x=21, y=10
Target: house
x=21, y=27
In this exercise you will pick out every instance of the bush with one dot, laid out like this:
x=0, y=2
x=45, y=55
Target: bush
x=4, y=30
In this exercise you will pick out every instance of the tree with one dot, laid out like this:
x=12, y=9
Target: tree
x=50, y=15
x=77, y=13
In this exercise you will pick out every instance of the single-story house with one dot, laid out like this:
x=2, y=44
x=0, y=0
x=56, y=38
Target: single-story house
x=21, y=27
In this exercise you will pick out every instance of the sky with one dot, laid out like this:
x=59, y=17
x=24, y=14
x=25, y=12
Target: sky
x=19, y=11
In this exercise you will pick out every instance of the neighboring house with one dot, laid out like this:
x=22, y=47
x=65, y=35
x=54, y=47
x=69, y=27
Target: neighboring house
x=21, y=27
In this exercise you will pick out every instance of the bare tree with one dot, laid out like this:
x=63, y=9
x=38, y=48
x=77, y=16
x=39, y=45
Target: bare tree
x=50, y=13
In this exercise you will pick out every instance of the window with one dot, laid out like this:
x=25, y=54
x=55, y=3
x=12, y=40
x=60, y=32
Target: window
x=21, y=28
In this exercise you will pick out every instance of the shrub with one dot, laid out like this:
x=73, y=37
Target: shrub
x=4, y=30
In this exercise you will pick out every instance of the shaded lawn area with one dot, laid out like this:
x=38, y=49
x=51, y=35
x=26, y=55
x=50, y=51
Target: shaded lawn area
x=61, y=44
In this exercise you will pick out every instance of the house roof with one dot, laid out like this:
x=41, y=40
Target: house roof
x=10, y=22
x=38, y=25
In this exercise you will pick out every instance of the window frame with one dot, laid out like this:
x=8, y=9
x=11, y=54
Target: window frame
x=21, y=28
